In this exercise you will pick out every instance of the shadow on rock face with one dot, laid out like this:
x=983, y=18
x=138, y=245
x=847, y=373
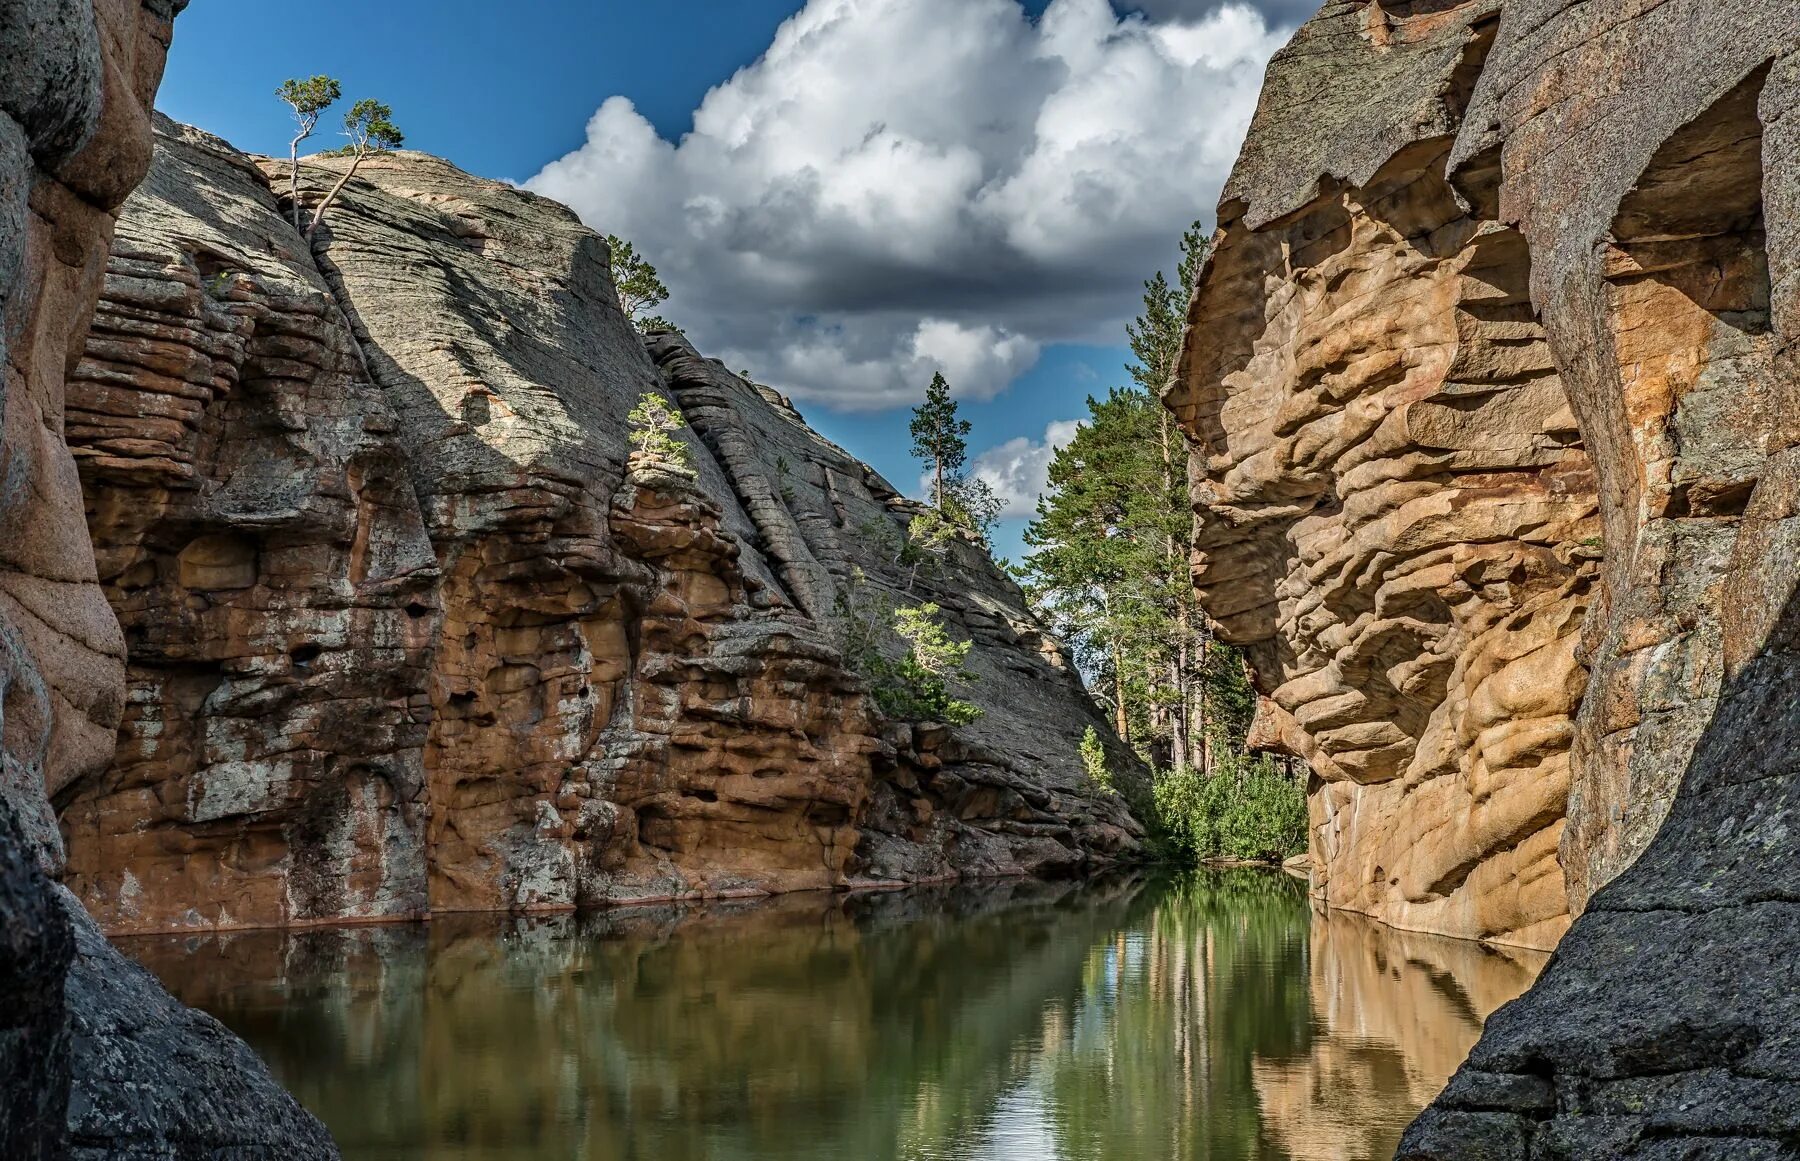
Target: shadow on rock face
x=1669, y=1018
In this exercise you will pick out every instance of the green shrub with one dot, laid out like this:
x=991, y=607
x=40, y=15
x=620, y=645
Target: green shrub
x=1247, y=809
x=653, y=427
x=1093, y=761
x=915, y=686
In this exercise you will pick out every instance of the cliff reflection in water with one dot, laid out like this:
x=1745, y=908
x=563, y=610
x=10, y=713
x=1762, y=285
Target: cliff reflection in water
x=1213, y=1016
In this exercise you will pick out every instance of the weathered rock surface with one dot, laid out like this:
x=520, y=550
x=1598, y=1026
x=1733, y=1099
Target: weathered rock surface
x=1396, y=514
x=256, y=532
x=96, y=1060
x=1663, y=211
x=1621, y=182
x=411, y=632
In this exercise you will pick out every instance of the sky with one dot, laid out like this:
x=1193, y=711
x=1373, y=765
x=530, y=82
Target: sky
x=843, y=196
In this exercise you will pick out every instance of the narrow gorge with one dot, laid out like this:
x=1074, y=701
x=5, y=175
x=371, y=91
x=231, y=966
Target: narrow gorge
x=332, y=592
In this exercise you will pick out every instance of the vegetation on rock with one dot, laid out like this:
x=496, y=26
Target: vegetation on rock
x=369, y=125
x=917, y=685
x=1093, y=761
x=640, y=288
x=653, y=427
x=308, y=98
x=940, y=441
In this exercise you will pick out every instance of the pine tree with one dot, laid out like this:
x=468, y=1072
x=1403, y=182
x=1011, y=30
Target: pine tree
x=940, y=439
x=1155, y=335
x=1110, y=570
x=370, y=127
x=639, y=288
x=308, y=99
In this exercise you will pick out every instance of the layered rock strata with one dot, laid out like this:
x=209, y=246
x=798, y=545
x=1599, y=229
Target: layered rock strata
x=1632, y=169
x=411, y=630
x=1663, y=210
x=96, y=1060
x=1396, y=514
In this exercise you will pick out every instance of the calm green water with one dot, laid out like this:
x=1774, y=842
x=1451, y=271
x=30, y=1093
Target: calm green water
x=1213, y=1016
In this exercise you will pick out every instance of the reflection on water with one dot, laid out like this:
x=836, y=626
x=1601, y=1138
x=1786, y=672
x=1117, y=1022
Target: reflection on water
x=1212, y=1016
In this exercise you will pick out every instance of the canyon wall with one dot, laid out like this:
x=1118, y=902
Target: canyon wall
x=411, y=629
x=1491, y=387
x=95, y=1059
x=1397, y=520
x=1663, y=211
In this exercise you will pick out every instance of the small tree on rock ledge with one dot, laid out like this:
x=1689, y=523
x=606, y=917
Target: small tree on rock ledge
x=639, y=288
x=307, y=98
x=369, y=126
x=653, y=427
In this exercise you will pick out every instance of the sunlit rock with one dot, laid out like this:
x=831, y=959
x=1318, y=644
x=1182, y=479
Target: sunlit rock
x=414, y=629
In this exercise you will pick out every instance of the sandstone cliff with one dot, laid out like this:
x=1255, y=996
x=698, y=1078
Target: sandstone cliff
x=95, y=1059
x=1397, y=519
x=409, y=631
x=1495, y=414
x=1663, y=212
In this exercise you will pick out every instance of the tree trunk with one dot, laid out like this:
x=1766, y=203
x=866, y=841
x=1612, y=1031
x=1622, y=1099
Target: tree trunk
x=1203, y=729
x=1178, y=736
x=319, y=214
x=294, y=178
x=1121, y=720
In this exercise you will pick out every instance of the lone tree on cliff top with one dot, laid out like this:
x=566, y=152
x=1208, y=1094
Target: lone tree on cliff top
x=940, y=438
x=369, y=125
x=959, y=500
x=639, y=288
x=307, y=98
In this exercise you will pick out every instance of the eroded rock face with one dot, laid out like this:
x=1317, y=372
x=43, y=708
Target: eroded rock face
x=412, y=631
x=1005, y=795
x=1621, y=181
x=1663, y=212
x=1396, y=516
x=96, y=1060
x=257, y=535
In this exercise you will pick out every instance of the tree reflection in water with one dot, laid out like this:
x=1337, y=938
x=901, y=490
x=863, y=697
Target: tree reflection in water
x=1209, y=1016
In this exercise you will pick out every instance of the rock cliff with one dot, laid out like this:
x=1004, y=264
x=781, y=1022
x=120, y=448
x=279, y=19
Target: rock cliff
x=1397, y=516
x=1663, y=210
x=410, y=631
x=1491, y=385
x=95, y=1059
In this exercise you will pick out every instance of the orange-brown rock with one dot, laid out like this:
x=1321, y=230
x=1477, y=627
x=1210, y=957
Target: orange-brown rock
x=1662, y=208
x=257, y=536
x=412, y=631
x=1395, y=1012
x=1621, y=182
x=1396, y=515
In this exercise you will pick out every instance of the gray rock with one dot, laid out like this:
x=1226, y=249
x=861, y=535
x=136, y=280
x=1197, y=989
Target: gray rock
x=35, y=951
x=96, y=1060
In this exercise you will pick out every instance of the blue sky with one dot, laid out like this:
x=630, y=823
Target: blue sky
x=840, y=218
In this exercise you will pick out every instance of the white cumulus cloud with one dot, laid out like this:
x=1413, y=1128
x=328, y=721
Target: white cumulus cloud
x=901, y=186
x=1018, y=470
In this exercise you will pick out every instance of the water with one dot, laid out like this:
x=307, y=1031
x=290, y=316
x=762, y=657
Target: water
x=1211, y=1016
